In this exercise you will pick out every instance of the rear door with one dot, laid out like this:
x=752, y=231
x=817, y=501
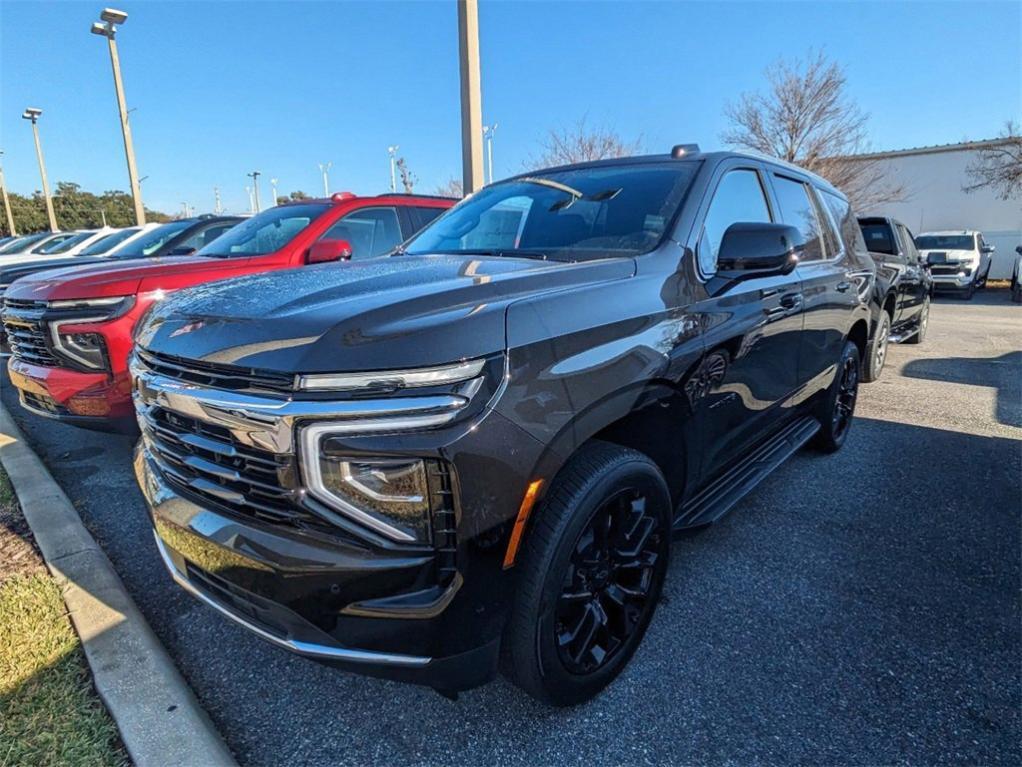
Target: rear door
x=912, y=292
x=828, y=293
x=752, y=327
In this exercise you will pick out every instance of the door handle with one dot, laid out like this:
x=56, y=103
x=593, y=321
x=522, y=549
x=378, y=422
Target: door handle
x=843, y=286
x=792, y=301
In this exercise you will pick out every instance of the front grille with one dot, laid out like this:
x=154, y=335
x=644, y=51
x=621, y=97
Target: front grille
x=20, y=304
x=27, y=339
x=204, y=460
x=230, y=377
x=944, y=270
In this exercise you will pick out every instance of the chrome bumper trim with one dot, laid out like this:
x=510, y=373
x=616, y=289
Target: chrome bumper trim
x=308, y=649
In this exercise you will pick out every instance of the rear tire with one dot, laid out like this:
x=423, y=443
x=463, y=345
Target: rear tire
x=590, y=575
x=921, y=324
x=837, y=408
x=876, y=349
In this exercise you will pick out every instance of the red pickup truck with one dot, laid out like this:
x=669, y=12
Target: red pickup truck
x=71, y=329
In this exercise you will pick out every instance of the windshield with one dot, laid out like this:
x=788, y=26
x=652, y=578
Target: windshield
x=152, y=241
x=108, y=243
x=63, y=246
x=23, y=243
x=568, y=215
x=945, y=242
x=264, y=233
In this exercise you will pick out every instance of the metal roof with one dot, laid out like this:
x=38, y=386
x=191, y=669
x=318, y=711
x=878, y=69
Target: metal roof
x=961, y=146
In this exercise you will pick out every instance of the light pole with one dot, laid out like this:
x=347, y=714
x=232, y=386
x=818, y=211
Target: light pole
x=273, y=188
x=107, y=28
x=471, y=96
x=251, y=202
x=488, y=131
x=7, y=204
x=254, y=175
x=218, y=208
x=325, y=170
x=32, y=114
x=392, y=151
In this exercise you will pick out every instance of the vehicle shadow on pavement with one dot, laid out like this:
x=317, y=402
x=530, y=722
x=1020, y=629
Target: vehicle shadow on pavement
x=1002, y=373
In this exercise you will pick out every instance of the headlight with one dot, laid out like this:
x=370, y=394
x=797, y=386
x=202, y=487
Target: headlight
x=87, y=349
x=388, y=495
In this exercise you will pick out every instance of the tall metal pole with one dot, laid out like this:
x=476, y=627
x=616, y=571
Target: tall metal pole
x=254, y=175
x=129, y=147
x=33, y=115
x=471, y=96
x=7, y=204
x=218, y=208
x=488, y=131
x=273, y=189
x=392, y=151
x=324, y=168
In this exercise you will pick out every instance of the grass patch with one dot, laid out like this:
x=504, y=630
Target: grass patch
x=49, y=712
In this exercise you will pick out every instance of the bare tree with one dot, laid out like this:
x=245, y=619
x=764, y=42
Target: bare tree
x=806, y=117
x=408, y=179
x=998, y=166
x=581, y=143
x=450, y=188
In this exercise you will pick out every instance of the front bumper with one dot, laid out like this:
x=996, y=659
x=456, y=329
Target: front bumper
x=91, y=400
x=952, y=281
x=293, y=591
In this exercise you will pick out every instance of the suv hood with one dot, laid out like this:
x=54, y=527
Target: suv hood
x=11, y=272
x=120, y=277
x=952, y=255
x=399, y=312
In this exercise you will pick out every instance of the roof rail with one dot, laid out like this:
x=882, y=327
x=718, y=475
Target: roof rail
x=416, y=194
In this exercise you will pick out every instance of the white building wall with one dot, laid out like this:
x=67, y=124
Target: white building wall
x=933, y=184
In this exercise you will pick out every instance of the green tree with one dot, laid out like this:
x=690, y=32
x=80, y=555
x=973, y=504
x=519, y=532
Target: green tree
x=75, y=209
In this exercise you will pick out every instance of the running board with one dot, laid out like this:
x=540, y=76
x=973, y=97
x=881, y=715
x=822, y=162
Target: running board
x=718, y=498
x=897, y=338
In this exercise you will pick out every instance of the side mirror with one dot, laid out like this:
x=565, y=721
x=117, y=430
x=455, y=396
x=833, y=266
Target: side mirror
x=182, y=250
x=329, y=250
x=1018, y=249
x=759, y=249
x=988, y=249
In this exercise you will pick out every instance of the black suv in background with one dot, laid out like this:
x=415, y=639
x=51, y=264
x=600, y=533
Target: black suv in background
x=475, y=453
x=901, y=306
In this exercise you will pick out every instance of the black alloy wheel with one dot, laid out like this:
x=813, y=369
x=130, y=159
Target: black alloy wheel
x=836, y=409
x=607, y=585
x=589, y=574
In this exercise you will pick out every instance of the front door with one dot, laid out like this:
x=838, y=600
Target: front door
x=751, y=331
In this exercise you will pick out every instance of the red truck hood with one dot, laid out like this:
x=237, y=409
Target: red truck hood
x=129, y=277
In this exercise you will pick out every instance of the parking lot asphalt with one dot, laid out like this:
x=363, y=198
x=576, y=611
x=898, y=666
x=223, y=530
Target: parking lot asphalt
x=861, y=608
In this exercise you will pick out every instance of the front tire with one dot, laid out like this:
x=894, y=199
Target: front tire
x=591, y=574
x=876, y=349
x=837, y=408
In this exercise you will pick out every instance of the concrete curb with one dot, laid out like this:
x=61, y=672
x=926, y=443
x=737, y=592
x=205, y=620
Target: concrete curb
x=158, y=716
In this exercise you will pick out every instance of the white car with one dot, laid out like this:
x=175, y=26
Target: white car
x=24, y=247
x=959, y=260
x=73, y=245
x=115, y=239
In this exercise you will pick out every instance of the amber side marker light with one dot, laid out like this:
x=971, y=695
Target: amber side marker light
x=528, y=501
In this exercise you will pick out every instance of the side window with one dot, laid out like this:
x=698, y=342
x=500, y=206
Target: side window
x=831, y=236
x=851, y=232
x=909, y=243
x=204, y=236
x=424, y=216
x=797, y=210
x=371, y=232
x=738, y=198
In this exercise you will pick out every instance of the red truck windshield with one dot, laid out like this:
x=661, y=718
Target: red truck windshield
x=265, y=233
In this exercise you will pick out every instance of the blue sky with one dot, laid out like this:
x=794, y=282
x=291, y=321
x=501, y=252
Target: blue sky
x=222, y=88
